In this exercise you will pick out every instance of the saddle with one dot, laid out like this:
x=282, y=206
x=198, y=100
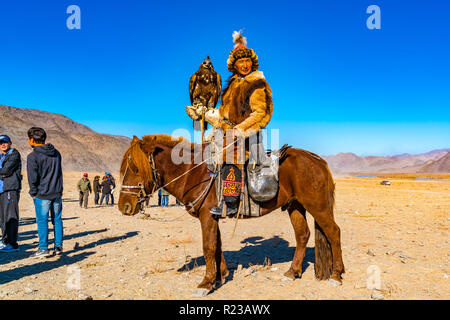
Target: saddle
x=260, y=179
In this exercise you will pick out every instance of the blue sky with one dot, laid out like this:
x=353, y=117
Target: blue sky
x=337, y=86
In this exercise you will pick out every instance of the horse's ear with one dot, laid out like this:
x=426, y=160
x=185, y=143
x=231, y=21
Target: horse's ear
x=136, y=140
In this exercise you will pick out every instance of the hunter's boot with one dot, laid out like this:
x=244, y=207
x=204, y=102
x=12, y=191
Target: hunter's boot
x=232, y=208
x=217, y=211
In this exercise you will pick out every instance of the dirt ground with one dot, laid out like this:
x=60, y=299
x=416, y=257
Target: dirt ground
x=397, y=234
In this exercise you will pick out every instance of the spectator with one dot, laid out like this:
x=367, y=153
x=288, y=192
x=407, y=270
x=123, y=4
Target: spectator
x=165, y=198
x=113, y=184
x=97, y=189
x=10, y=186
x=84, y=188
x=46, y=186
x=106, y=190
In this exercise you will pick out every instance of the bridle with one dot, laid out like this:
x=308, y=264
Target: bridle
x=141, y=193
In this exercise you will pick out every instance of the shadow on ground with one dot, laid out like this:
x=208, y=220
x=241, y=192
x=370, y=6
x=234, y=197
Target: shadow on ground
x=28, y=221
x=257, y=251
x=47, y=264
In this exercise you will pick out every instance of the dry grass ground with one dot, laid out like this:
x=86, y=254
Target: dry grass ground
x=402, y=229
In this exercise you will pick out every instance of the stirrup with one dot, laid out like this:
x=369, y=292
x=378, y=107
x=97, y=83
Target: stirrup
x=217, y=211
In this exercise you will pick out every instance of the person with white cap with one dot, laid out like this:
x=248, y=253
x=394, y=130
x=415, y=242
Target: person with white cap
x=10, y=187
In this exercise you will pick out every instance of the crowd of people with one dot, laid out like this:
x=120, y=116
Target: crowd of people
x=105, y=188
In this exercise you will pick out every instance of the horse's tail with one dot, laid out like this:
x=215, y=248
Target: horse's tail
x=324, y=259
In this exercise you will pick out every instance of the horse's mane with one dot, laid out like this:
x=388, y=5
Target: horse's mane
x=166, y=140
x=148, y=143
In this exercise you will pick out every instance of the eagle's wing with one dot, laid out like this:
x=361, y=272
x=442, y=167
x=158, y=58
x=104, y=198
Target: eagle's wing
x=192, y=82
x=218, y=88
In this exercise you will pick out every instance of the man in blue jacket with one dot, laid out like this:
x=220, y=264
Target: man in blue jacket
x=113, y=183
x=10, y=186
x=46, y=186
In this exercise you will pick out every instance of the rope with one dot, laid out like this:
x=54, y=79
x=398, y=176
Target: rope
x=160, y=220
x=224, y=148
x=241, y=203
x=191, y=204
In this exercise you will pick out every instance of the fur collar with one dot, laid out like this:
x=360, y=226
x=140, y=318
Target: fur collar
x=253, y=76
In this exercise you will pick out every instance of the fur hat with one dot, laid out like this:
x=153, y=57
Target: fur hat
x=240, y=51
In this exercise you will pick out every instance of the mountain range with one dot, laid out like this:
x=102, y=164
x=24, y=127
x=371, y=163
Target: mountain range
x=437, y=166
x=84, y=149
x=429, y=162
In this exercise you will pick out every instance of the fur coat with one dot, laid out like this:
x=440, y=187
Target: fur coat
x=246, y=105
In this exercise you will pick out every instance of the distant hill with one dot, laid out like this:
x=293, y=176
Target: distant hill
x=437, y=166
x=404, y=163
x=82, y=148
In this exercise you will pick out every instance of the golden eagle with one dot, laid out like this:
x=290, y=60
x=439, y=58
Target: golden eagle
x=205, y=86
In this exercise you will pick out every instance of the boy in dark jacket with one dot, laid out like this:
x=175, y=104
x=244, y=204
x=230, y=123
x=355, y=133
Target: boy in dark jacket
x=106, y=190
x=10, y=186
x=46, y=186
x=97, y=189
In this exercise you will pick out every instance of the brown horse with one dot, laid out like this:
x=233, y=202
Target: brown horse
x=305, y=184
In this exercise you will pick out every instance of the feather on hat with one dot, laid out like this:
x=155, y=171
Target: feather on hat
x=240, y=51
x=239, y=40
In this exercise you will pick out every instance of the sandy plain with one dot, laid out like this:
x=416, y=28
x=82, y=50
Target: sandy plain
x=396, y=233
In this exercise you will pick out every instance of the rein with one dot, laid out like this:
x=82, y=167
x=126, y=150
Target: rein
x=156, y=186
x=142, y=195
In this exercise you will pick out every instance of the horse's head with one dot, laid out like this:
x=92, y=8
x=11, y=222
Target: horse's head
x=138, y=169
x=136, y=176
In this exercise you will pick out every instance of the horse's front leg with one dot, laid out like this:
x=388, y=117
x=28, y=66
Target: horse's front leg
x=220, y=260
x=209, y=236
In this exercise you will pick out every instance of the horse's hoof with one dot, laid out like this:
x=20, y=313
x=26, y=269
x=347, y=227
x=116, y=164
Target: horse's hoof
x=289, y=274
x=201, y=293
x=284, y=279
x=334, y=283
